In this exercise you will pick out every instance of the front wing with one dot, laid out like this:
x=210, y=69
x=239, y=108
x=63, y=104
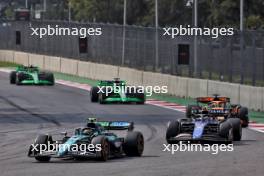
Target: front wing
x=205, y=138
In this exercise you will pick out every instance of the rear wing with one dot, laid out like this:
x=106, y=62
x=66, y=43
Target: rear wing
x=26, y=68
x=116, y=125
x=210, y=99
x=111, y=82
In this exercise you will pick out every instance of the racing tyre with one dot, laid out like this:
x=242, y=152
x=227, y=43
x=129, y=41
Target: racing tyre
x=189, y=110
x=243, y=115
x=226, y=131
x=50, y=78
x=172, y=131
x=237, y=129
x=141, y=96
x=12, y=77
x=104, y=153
x=20, y=78
x=133, y=144
x=42, y=139
x=230, y=137
x=94, y=94
x=102, y=96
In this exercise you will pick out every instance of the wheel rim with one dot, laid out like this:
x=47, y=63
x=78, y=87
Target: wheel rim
x=105, y=150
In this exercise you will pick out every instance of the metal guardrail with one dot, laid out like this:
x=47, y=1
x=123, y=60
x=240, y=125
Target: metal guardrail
x=238, y=58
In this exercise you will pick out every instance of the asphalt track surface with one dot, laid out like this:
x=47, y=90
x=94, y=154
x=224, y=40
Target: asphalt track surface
x=26, y=111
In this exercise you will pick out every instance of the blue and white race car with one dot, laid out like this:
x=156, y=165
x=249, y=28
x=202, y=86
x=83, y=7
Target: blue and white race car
x=204, y=128
x=92, y=141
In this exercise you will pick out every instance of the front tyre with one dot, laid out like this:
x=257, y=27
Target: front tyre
x=12, y=77
x=20, y=77
x=104, y=153
x=50, y=78
x=94, y=94
x=40, y=140
x=172, y=131
x=237, y=128
x=226, y=131
x=47, y=76
x=133, y=144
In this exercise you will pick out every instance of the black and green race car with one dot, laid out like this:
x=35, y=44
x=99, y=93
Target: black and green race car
x=116, y=91
x=97, y=140
x=30, y=75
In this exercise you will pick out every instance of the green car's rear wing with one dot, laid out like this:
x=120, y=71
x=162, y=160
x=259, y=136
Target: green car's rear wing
x=27, y=68
x=116, y=125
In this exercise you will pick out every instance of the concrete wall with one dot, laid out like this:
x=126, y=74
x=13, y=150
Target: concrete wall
x=133, y=76
x=21, y=58
x=252, y=97
x=155, y=79
x=102, y=71
x=197, y=88
x=36, y=60
x=69, y=66
x=84, y=69
x=52, y=63
x=7, y=55
x=178, y=86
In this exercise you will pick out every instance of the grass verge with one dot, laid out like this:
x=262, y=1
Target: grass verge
x=8, y=64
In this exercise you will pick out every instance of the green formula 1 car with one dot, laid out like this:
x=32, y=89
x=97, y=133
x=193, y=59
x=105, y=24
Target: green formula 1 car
x=31, y=76
x=97, y=140
x=116, y=91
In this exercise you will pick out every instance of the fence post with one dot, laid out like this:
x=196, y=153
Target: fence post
x=254, y=59
x=241, y=57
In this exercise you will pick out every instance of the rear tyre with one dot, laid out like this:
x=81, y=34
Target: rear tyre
x=243, y=115
x=12, y=77
x=42, y=139
x=172, y=131
x=94, y=94
x=133, y=144
x=102, y=155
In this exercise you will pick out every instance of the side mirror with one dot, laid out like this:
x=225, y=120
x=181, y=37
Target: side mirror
x=77, y=131
x=64, y=133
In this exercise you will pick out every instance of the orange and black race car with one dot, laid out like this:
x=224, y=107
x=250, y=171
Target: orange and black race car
x=219, y=107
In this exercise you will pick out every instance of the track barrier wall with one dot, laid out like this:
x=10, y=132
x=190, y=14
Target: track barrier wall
x=250, y=96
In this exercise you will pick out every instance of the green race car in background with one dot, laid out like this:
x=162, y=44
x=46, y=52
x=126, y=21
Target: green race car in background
x=31, y=76
x=116, y=91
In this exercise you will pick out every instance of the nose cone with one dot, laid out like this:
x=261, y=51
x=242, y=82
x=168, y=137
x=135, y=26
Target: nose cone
x=198, y=129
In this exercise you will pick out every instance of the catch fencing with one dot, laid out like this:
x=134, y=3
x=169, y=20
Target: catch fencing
x=238, y=58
